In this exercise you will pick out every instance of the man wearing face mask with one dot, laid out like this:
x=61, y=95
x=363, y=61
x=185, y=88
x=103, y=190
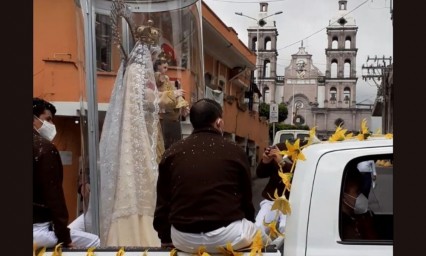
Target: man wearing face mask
x=50, y=214
x=204, y=193
x=357, y=221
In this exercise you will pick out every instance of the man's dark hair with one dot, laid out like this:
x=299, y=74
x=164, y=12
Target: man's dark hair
x=40, y=105
x=204, y=112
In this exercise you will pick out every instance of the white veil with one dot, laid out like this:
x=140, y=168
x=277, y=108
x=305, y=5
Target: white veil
x=128, y=144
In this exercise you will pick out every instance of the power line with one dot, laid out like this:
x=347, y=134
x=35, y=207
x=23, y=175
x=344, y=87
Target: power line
x=323, y=27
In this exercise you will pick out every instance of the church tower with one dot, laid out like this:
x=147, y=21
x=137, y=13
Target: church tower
x=262, y=36
x=340, y=81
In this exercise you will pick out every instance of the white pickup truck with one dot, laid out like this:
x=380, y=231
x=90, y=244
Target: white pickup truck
x=315, y=224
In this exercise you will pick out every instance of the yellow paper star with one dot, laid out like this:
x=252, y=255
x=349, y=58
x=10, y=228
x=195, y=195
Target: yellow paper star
x=202, y=251
x=58, y=250
x=365, y=133
x=273, y=231
x=41, y=252
x=120, y=252
x=293, y=151
x=364, y=128
x=281, y=203
x=389, y=136
x=173, y=252
x=257, y=244
x=338, y=135
x=229, y=251
x=286, y=178
x=90, y=251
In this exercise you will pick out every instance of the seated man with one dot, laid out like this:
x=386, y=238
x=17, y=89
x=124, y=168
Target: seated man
x=50, y=213
x=204, y=192
x=356, y=219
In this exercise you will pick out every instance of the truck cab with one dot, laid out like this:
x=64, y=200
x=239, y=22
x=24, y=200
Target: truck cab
x=290, y=135
x=315, y=225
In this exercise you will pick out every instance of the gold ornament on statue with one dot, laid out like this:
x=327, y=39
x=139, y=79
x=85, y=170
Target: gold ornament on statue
x=148, y=33
x=164, y=57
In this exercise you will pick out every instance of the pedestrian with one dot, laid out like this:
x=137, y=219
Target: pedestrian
x=50, y=213
x=204, y=192
x=269, y=167
x=369, y=175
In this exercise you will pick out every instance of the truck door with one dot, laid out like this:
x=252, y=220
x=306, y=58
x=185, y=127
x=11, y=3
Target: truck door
x=329, y=232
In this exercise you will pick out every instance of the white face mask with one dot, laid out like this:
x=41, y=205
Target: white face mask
x=47, y=130
x=361, y=204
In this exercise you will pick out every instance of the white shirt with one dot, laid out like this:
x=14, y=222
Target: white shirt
x=367, y=166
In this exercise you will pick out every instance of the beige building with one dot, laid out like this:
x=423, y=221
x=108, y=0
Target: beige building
x=326, y=101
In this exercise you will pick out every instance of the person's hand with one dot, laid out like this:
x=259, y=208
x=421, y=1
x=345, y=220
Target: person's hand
x=184, y=111
x=266, y=158
x=374, y=177
x=274, y=153
x=178, y=93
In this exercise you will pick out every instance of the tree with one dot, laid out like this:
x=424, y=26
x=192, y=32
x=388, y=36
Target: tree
x=282, y=111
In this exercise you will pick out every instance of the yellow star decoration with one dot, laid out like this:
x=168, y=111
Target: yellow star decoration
x=202, y=251
x=120, y=252
x=229, y=251
x=173, y=252
x=58, y=250
x=286, y=178
x=389, y=136
x=365, y=133
x=281, y=203
x=312, y=136
x=273, y=231
x=90, y=251
x=293, y=151
x=257, y=244
x=338, y=135
x=41, y=252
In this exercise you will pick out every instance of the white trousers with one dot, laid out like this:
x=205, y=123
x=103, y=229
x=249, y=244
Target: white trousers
x=239, y=233
x=43, y=237
x=266, y=214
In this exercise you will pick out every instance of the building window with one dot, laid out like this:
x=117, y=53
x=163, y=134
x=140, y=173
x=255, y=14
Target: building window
x=347, y=95
x=334, y=43
x=333, y=95
x=333, y=68
x=253, y=44
x=366, y=210
x=103, y=32
x=347, y=69
x=266, y=68
x=268, y=43
x=348, y=42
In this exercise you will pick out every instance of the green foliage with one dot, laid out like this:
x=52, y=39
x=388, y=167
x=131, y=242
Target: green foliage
x=282, y=111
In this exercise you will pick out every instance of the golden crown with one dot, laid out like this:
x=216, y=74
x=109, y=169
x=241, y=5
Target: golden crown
x=148, y=33
x=164, y=57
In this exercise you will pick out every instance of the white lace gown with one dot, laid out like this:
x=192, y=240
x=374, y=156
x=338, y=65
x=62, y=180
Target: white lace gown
x=128, y=156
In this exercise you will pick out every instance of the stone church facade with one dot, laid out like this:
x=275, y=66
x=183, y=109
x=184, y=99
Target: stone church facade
x=324, y=100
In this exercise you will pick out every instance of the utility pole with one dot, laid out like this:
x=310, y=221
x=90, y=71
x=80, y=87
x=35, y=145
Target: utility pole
x=378, y=70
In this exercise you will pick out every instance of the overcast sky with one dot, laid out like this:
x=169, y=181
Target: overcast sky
x=302, y=18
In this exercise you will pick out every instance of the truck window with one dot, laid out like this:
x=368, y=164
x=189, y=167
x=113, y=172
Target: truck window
x=366, y=200
x=286, y=136
x=302, y=136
